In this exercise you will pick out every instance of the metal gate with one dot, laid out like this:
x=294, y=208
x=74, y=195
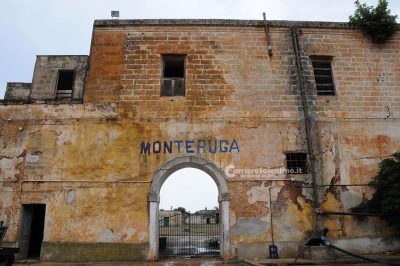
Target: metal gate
x=189, y=235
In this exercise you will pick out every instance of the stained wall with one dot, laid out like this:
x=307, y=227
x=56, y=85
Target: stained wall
x=85, y=163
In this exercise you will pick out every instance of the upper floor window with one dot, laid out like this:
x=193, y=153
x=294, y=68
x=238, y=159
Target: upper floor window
x=65, y=84
x=323, y=74
x=173, y=75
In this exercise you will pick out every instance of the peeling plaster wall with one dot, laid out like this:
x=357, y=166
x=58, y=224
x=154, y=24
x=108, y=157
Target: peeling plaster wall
x=88, y=146
x=355, y=129
x=234, y=91
x=362, y=146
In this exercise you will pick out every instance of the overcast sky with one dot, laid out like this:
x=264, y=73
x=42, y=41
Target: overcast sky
x=190, y=188
x=47, y=27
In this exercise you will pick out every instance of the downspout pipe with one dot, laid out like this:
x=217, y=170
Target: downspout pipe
x=267, y=35
x=270, y=214
x=307, y=119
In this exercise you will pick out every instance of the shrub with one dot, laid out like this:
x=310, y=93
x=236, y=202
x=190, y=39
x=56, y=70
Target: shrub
x=386, y=199
x=375, y=22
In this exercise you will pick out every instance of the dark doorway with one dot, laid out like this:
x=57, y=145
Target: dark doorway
x=31, y=232
x=65, y=84
x=65, y=80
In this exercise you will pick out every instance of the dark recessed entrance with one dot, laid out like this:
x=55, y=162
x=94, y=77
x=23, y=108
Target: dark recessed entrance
x=31, y=232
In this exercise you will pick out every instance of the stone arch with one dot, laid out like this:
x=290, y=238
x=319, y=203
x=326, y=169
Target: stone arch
x=154, y=199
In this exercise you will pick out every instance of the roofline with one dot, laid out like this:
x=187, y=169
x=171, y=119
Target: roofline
x=220, y=22
x=62, y=55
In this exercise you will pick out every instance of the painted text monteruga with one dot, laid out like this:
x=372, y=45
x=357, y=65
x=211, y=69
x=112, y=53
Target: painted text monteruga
x=189, y=146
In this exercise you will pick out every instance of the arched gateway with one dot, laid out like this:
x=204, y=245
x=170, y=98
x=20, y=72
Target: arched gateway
x=154, y=199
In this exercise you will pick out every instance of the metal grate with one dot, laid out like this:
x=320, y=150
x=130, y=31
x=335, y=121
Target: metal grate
x=189, y=235
x=323, y=77
x=173, y=87
x=296, y=163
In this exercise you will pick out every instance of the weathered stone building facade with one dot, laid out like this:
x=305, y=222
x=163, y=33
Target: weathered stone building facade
x=155, y=96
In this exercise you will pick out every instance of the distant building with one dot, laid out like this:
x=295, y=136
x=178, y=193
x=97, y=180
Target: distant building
x=203, y=217
x=170, y=218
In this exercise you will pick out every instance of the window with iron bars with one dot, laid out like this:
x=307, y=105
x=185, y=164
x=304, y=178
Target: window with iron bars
x=296, y=162
x=323, y=74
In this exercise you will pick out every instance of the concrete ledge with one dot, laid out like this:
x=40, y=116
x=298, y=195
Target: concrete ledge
x=93, y=252
x=286, y=249
x=220, y=22
x=40, y=102
x=368, y=245
x=291, y=249
x=17, y=91
x=319, y=253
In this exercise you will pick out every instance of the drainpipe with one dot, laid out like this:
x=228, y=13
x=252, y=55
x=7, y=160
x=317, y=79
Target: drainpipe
x=267, y=35
x=307, y=119
x=270, y=212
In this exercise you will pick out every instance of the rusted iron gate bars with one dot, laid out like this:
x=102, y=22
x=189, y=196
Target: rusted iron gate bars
x=189, y=235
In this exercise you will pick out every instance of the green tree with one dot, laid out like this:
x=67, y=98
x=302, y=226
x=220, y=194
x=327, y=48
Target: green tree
x=386, y=199
x=376, y=22
x=181, y=209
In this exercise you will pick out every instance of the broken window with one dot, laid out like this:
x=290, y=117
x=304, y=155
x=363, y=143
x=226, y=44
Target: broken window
x=173, y=78
x=323, y=74
x=65, y=84
x=296, y=163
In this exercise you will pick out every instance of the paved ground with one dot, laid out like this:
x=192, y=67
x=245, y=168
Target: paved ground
x=213, y=261
x=392, y=259
x=205, y=261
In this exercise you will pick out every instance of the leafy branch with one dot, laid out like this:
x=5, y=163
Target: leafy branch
x=376, y=22
x=386, y=199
